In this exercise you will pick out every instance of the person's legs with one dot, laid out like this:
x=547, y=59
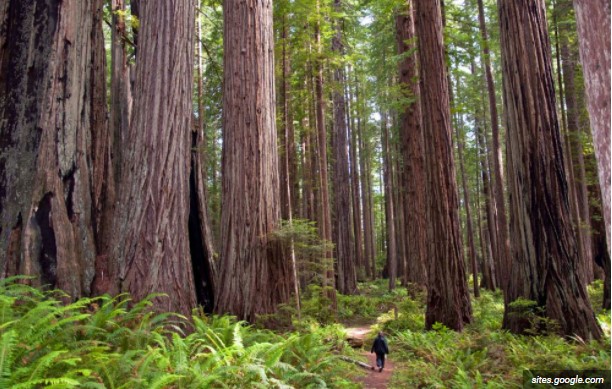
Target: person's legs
x=380, y=361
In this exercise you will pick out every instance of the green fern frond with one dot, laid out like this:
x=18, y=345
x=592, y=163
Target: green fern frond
x=165, y=380
x=60, y=382
x=7, y=351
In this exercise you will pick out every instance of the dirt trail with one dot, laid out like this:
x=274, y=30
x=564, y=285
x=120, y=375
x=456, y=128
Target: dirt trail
x=373, y=379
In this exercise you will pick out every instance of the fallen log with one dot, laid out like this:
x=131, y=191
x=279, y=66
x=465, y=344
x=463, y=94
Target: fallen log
x=356, y=362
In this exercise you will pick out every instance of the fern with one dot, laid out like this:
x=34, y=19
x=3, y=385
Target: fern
x=7, y=351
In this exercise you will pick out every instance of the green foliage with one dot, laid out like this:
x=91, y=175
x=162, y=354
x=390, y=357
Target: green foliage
x=116, y=343
x=483, y=355
x=309, y=248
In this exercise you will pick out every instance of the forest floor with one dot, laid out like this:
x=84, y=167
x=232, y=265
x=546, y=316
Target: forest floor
x=373, y=378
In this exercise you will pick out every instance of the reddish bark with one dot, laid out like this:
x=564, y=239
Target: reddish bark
x=544, y=252
x=448, y=300
x=411, y=138
x=595, y=58
x=47, y=49
x=151, y=225
x=254, y=274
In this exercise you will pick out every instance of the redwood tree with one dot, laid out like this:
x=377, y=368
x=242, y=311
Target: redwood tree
x=346, y=274
x=254, y=275
x=544, y=251
x=448, y=300
x=49, y=81
x=152, y=243
x=411, y=137
x=595, y=58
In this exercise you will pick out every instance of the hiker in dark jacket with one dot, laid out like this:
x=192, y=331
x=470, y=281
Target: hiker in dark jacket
x=380, y=348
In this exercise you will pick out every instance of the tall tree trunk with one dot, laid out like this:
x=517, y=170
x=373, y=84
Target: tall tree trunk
x=347, y=276
x=286, y=133
x=502, y=251
x=468, y=214
x=152, y=239
x=545, y=256
x=308, y=168
x=254, y=274
x=325, y=228
x=355, y=190
x=595, y=58
x=577, y=158
x=47, y=86
x=448, y=300
x=411, y=137
x=569, y=130
x=488, y=232
x=368, y=231
x=389, y=205
x=400, y=220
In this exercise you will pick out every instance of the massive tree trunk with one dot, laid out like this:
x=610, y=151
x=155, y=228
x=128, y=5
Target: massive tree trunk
x=346, y=275
x=47, y=90
x=255, y=275
x=411, y=137
x=545, y=255
x=448, y=300
x=595, y=58
x=152, y=240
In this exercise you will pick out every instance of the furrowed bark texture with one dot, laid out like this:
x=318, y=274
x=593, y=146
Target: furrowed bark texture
x=152, y=241
x=544, y=253
x=411, y=137
x=593, y=17
x=46, y=92
x=254, y=275
x=448, y=300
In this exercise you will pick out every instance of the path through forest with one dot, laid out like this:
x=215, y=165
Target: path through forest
x=373, y=379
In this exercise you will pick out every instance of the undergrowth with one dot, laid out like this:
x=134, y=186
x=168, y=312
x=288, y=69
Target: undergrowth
x=109, y=342
x=483, y=355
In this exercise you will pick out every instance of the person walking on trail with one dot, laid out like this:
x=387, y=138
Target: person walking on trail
x=380, y=348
